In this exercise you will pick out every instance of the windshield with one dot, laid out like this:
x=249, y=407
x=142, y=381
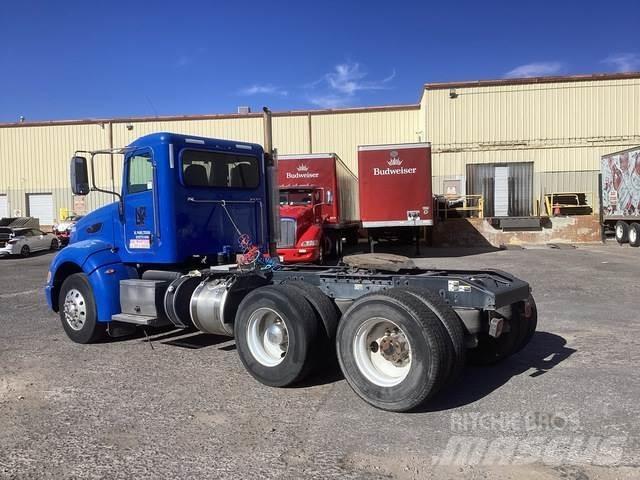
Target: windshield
x=202, y=168
x=296, y=197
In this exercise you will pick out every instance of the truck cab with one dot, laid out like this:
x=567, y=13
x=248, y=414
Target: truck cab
x=301, y=235
x=183, y=201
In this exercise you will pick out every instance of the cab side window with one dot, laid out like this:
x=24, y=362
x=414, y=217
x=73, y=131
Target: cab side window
x=140, y=174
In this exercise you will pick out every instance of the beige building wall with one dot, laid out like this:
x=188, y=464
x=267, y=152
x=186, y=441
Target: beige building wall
x=563, y=126
x=35, y=157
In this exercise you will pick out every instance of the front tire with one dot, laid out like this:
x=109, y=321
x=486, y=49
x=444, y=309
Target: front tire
x=276, y=331
x=78, y=312
x=392, y=350
x=622, y=232
x=634, y=234
x=55, y=244
x=25, y=251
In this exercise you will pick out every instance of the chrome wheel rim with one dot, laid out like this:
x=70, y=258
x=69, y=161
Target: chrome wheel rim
x=75, y=309
x=382, y=352
x=619, y=232
x=267, y=337
x=633, y=235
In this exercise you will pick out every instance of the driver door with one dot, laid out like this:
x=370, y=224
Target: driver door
x=139, y=214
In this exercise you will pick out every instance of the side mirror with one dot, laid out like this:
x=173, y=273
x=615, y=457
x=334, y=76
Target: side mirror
x=79, y=176
x=329, y=199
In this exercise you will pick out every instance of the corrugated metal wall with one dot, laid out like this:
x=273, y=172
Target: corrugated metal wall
x=562, y=127
x=342, y=133
x=35, y=159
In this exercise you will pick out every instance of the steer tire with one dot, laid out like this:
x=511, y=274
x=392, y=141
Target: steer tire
x=25, y=251
x=622, y=232
x=634, y=234
x=428, y=368
x=91, y=330
x=302, y=328
x=452, y=324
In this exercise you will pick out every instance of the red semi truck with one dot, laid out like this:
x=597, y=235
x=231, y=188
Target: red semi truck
x=318, y=206
x=395, y=189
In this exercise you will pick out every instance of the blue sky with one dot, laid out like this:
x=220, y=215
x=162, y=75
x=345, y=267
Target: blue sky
x=82, y=59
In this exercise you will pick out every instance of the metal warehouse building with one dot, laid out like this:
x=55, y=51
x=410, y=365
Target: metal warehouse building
x=541, y=135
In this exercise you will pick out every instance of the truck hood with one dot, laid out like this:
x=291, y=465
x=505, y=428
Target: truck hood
x=294, y=211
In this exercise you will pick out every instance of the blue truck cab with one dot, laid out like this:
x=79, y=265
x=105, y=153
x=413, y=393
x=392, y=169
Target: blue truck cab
x=184, y=199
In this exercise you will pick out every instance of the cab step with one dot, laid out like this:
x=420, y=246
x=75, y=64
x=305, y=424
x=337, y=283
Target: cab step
x=139, y=319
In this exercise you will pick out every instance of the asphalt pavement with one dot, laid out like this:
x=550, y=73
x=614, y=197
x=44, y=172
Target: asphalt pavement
x=181, y=405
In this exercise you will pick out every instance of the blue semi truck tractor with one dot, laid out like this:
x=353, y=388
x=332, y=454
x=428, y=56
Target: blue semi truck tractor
x=191, y=242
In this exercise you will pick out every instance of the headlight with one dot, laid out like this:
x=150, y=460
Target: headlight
x=310, y=243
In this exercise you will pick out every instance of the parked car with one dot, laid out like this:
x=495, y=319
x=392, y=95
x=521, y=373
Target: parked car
x=63, y=229
x=23, y=241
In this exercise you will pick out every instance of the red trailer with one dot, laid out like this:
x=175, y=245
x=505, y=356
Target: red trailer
x=395, y=188
x=318, y=206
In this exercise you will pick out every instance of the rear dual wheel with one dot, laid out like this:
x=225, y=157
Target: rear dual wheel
x=634, y=234
x=395, y=350
x=622, y=232
x=277, y=335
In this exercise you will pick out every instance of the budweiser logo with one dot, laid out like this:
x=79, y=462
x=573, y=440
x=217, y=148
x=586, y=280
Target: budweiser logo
x=394, y=159
x=302, y=171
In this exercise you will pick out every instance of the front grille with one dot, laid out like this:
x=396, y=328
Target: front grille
x=287, y=233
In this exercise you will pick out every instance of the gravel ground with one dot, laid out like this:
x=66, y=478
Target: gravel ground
x=182, y=406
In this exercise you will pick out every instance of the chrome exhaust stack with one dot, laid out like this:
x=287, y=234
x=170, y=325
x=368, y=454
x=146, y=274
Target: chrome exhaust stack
x=271, y=165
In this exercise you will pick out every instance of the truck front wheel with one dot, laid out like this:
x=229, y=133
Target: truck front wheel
x=78, y=310
x=276, y=334
x=393, y=350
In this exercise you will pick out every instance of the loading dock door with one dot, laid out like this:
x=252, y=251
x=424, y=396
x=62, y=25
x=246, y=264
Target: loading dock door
x=507, y=188
x=40, y=206
x=4, y=206
x=501, y=192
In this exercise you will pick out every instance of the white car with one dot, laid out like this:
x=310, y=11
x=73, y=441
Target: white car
x=23, y=241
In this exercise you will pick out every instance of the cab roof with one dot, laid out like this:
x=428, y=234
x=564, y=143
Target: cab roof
x=195, y=141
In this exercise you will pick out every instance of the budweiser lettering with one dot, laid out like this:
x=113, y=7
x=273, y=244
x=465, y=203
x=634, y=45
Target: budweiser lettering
x=302, y=175
x=394, y=171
